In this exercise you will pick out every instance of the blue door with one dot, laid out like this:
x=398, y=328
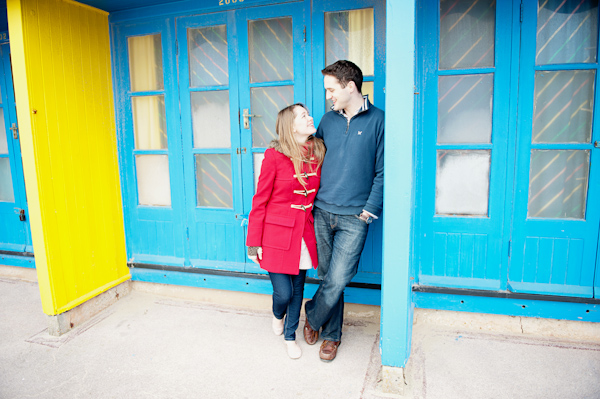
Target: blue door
x=508, y=144
x=556, y=216
x=14, y=226
x=237, y=69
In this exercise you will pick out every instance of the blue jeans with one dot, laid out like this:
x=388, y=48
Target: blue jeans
x=340, y=241
x=288, y=291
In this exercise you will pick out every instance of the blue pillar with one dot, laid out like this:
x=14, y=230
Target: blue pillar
x=396, y=301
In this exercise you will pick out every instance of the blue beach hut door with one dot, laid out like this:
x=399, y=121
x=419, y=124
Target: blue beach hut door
x=14, y=226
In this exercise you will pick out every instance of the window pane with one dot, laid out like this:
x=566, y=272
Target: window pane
x=149, y=122
x=145, y=63
x=258, y=158
x=566, y=31
x=210, y=116
x=213, y=180
x=6, y=187
x=467, y=33
x=266, y=102
x=367, y=90
x=3, y=142
x=465, y=108
x=563, y=106
x=349, y=35
x=207, y=48
x=271, y=50
x=462, y=182
x=558, y=181
x=153, y=180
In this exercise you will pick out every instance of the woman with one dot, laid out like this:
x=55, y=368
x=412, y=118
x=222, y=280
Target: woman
x=281, y=236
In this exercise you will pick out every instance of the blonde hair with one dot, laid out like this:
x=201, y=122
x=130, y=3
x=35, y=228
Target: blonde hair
x=312, y=152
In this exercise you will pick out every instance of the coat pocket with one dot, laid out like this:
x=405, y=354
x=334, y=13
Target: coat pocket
x=278, y=232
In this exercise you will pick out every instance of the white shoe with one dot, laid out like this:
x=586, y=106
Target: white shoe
x=294, y=351
x=277, y=326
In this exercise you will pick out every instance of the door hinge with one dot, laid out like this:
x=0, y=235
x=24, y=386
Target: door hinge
x=304, y=33
x=240, y=150
x=521, y=12
x=509, y=248
x=22, y=216
x=15, y=131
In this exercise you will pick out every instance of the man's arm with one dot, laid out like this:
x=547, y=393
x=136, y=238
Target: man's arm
x=374, y=204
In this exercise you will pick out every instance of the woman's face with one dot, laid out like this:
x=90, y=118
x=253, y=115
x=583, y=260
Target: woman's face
x=303, y=124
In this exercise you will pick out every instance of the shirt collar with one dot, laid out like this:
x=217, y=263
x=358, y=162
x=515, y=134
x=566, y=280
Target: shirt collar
x=364, y=107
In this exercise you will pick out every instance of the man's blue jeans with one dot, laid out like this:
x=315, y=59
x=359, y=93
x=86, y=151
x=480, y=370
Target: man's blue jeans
x=288, y=291
x=340, y=241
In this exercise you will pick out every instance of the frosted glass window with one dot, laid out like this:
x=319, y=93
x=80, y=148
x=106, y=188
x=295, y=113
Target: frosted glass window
x=467, y=33
x=465, y=108
x=3, y=142
x=258, y=159
x=271, y=50
x=207, y=48
x=149, y=122
x=210, y=116
x=567, y=31
x=6, y=186
x=558, y=182
x=349, y=35
x=367, y=90
x=266, y=102
x=213, y=180
x=153, y=181
x=462, y=182
x=145, y=63
x=563, y=106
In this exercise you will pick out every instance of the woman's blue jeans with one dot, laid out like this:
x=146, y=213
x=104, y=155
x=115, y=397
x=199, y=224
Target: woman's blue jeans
x=340, y=241
x=288, y=291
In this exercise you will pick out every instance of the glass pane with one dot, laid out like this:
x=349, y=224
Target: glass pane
x=149, y=122
x=266, y=102
x=207, y=49
x=566, y=31
x=271, y=50
x=145, y=63
x=213, y=180
x=367, y=90
x=3, y=142
x=462, y=182
x=558, y=181
x=258, y=158
x=349, y=35
x=210, y=116
x=563, y=106
x=465, y=108
x=467, y=33
x=6, y=187
x=153, y=180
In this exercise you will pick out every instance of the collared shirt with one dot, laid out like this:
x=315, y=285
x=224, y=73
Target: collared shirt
x=364, y=107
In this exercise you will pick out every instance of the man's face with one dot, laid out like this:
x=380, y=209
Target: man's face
x=336, y=93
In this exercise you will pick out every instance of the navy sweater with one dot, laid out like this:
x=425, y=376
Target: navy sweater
x=352, y=171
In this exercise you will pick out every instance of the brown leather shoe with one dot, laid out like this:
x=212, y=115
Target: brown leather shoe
x=310, y=336
x=328, y=350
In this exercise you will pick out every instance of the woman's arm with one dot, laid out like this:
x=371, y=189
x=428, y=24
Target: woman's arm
x=266, y=180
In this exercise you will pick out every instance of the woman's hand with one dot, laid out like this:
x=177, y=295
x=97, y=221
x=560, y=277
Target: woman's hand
x=255, y=254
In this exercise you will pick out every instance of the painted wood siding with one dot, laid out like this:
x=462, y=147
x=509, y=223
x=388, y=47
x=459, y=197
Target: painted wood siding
x=62, y=78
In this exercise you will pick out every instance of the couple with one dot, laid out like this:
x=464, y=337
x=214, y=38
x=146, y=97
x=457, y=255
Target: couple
x=284, y=238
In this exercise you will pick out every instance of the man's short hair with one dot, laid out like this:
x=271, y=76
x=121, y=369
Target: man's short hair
x=345, y=71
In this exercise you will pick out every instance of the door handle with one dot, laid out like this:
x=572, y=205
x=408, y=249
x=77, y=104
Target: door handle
x=15, y=131
x=247, y=115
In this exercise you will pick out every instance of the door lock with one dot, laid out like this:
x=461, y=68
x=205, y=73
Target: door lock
x=22, y=217
x=15, y=131
x=247, y=117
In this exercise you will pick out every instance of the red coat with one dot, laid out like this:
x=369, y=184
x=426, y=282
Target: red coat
x=274, y=224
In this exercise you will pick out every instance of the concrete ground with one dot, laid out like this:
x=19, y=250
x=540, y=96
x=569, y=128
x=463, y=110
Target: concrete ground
x=175, y=342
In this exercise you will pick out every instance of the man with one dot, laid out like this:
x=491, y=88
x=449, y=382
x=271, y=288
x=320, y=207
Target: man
x=350, y=197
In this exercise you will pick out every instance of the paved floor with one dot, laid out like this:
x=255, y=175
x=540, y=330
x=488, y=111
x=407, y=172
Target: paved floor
x=153, y=346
